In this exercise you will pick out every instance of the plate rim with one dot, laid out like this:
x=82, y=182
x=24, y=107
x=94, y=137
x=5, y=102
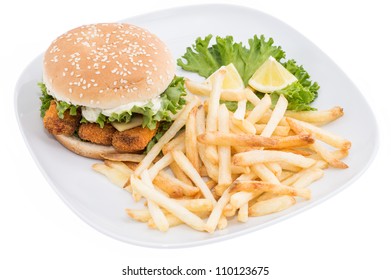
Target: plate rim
x=200, y=242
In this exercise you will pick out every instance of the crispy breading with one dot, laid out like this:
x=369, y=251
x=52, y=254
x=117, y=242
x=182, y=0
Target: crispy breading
x=55, y=125
x=94, y=133
x=133, y=140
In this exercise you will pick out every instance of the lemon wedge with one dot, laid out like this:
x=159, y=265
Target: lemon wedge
x=271, y=76
x=232, y=79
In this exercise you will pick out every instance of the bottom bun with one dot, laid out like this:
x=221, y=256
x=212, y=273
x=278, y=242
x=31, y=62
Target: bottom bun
x=85, y=149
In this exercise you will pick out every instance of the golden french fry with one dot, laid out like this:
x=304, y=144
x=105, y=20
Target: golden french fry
x=272, y=205
x=205, y=90
x=141, y=215
x=170, y=181
x=156, y=213
x=260, y=187
x=170, y=133
x=274, y=167
x=278, y=131
x=196, y=205
x=244, y=125
x=252, y=97
x=328, y=156
x=231, y=139
x=114, y=175
x=223, y=222
x=243, y=213
x=165, y=161
x=171, y=220
x=168, y=203
x=217, y=211
x=240, y=198
x=211, y=169
x=277, y=115
x=260, y=109
x=191, y=148
x=190, y=171
x=214, y=100
x=321, y=117
x=120, y=166
x=264, y=173
x=224, y=152
x=240, y=110
x=321, y=134
x=308, y=178
x=169, y=187
x=258, y=156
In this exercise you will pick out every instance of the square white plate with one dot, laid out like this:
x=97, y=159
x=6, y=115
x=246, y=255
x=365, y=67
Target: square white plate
x=101, y=204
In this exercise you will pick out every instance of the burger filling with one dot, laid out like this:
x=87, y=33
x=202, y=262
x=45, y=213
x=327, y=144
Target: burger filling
x=131, y=127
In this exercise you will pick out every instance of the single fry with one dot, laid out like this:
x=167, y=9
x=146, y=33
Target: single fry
x=196, y=205
x=320, y=133
x=261, y=108
x=279, y=189
x=191, y=148
x=272, y=205
x=319, y=117
x=169, y=180
x=156, y=213
x=120, y=166
x=172, y=221
x=329, y=157
x=241, y=110
x=165, y=161
x=258, y=156
x=205, y=90
x=308, y=178
x=243, y=213
x=240, y=198
x=211, y=169
x=232, y=139
x=278, y=131
x=224, y=152
x=277, y=115
x=141, y=215
x=217, y=211
x=214, y=100
x=117, y=177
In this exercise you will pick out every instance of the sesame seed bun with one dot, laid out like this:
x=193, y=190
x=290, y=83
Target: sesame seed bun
x=107, y=65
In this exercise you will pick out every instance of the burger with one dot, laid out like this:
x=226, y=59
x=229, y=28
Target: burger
x=109, y=87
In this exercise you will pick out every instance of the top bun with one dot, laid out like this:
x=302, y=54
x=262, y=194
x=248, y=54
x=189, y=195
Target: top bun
x=107, y=65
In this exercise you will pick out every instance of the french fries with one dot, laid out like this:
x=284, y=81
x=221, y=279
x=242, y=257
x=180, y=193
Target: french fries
x=223, y=164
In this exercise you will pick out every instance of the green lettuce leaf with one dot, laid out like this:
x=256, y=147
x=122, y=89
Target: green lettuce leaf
x=204, y=59
x=298, y=96
x=45, y=99
x=61, y=106
x=172, y=101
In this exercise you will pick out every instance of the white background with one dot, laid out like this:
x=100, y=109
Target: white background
x=346, y=237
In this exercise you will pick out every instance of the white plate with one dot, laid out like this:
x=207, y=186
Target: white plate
x=102, y=205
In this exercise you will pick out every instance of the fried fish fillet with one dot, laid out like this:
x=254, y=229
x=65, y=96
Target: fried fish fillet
x=55, y=125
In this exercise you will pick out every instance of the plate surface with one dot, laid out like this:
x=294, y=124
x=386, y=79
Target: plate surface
x=102, y=205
